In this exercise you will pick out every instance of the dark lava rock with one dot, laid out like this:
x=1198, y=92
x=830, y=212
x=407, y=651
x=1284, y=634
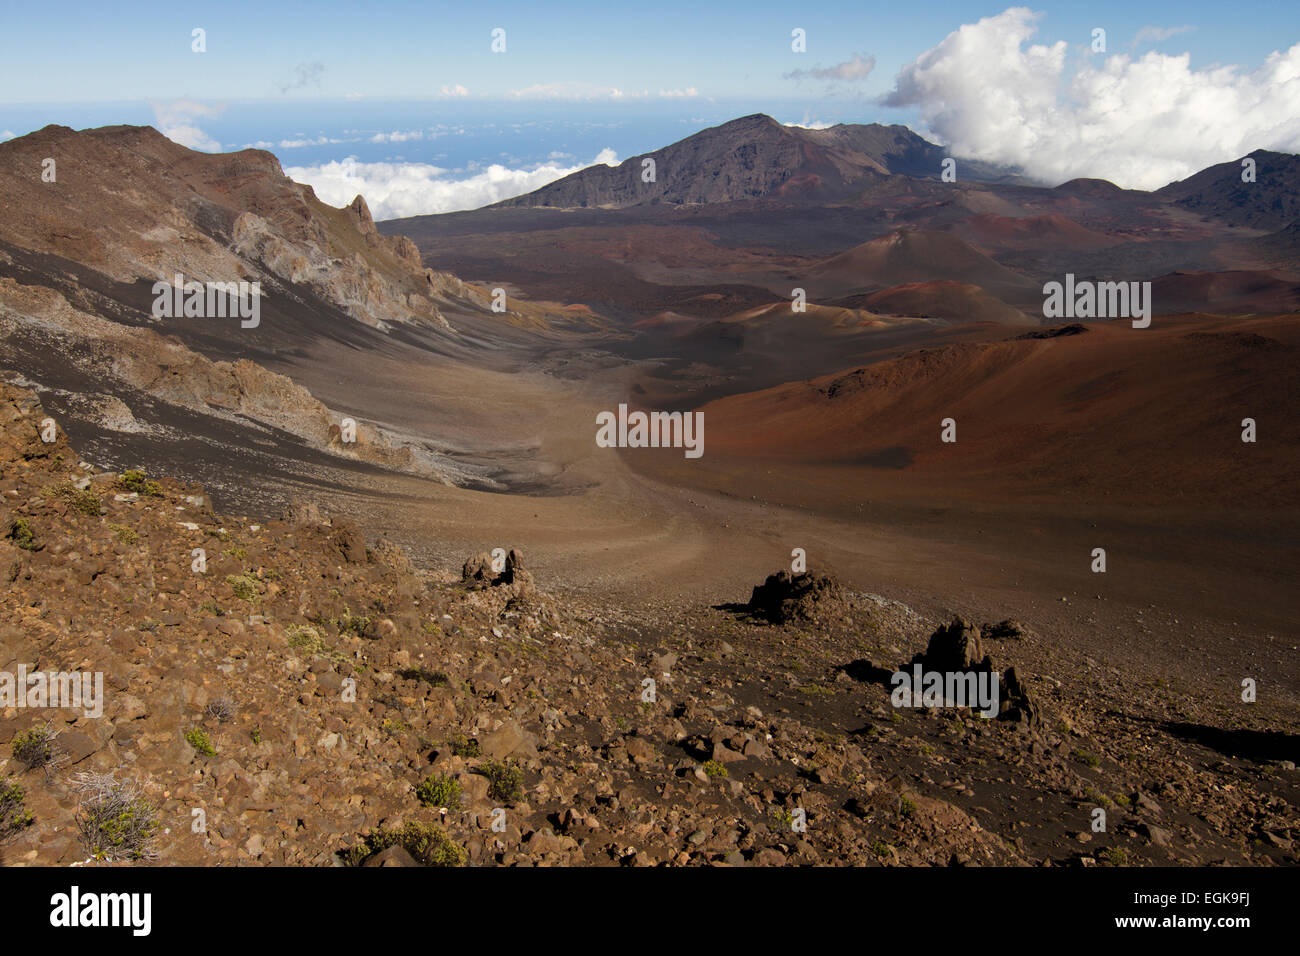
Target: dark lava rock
x=955, y=647
x=1055, y=333
x=1004, y=630
x=515, y=573
x=1017, y=704
x=809, y=596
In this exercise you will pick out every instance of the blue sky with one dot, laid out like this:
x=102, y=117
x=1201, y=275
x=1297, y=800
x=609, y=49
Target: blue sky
x=93, y=51
x=407, y=103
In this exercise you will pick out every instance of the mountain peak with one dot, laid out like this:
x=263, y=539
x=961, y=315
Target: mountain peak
x=751, y=157
x=753, y=119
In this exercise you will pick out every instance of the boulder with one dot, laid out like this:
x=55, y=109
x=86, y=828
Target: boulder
x=508, y=740
x=477, y=572
x=954, y=647
x=809, y=596
x=347, y=539
x=305, y=513
x=395, y=855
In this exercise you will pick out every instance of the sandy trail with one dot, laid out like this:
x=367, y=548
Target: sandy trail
x=1207, y=599
x=1205, y=591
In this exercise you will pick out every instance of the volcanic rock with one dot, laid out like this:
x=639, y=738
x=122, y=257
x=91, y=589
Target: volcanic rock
x=809, y=596
x=955, y=647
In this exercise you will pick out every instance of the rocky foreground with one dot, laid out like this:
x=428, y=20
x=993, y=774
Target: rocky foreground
x=303, y=696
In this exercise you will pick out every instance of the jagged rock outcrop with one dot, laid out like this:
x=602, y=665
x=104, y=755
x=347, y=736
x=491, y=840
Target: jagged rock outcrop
x=956, y=647
x=480, y=572
x=808, y=596
x=142, y=207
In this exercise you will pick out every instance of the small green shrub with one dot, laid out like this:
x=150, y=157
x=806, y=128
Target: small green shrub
x=906, y=807
x=357, y=624
x=467, y=747
x=715, y=768
x=1114, y=855
x=20, y=533
x=425, y=842
x=198, y=738
x=1087, y=759
x=1096, y=796
x=505, y=781
x=13, y=811
x=35, y=747
x=124, y=534
x=440, y=791
x=245, y=586
x=306, y=639
x=84, y=500
x=133, y=479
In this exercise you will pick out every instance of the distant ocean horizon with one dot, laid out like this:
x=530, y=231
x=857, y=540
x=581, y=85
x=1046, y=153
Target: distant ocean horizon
x=420, y=157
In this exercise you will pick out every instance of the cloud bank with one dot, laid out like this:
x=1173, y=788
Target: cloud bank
x=857, y=68
x=393, y=190
x=989, y=94
x=178, y=121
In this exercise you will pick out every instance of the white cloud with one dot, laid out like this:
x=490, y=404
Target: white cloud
x=7, y=134
x=810, y=123
x=398, y=136
x=393, y=190
x=1158, y=34
x=857, y=68
x=298, y=143
x=454, y=90
x=352, y=97
x=690, y=91
x=178, y=122
x=1138, y=122
x=572, y=91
